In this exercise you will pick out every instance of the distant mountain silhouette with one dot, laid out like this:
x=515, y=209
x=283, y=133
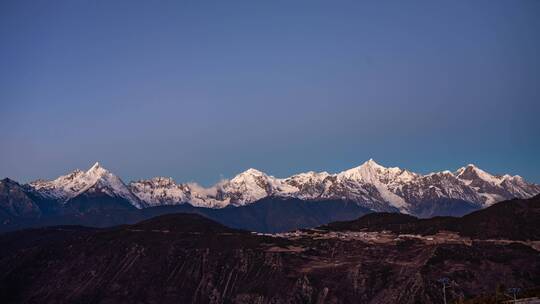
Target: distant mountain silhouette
x=271, y=214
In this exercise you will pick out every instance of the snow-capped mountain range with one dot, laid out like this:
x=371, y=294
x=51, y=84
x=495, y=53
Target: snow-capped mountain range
x=369, y=185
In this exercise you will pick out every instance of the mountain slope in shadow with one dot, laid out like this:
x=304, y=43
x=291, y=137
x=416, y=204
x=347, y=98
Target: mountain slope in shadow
x=516, y=219
x=270, y=214
x=187, y=258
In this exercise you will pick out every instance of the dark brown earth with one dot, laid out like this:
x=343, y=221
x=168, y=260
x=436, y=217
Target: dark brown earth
x=185, y=258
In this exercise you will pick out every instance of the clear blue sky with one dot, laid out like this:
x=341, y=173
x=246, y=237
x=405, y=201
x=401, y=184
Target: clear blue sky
x=201, y=90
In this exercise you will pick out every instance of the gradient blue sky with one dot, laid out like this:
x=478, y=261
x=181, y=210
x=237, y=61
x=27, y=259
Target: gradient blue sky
x=201, y=90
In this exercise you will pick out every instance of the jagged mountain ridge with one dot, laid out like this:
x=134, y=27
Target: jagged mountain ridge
x=370, y=185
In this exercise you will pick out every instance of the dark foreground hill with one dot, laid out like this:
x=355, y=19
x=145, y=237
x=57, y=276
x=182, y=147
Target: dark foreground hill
x=517, y=219
x=186, y=258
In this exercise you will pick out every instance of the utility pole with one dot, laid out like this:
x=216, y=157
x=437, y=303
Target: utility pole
x=444, y=281
x=514, y=291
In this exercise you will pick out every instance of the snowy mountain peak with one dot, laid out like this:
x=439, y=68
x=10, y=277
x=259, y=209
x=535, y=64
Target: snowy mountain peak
x=160, y=191
x=251, y=172
x=95, y=166
x=375, y=179
x=494, y=188
x=99, y=178
x=252, y=177
x=469, y=167
x=97, y=170
x=472, y=172
x=248, y=174
x=252, y=185
x=369, y=171
x=371, y=163
x=96, y=178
